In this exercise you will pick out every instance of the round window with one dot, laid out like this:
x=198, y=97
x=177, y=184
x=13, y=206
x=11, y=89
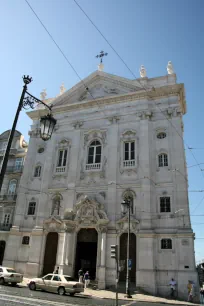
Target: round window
x=41, y=150
x=161, y=135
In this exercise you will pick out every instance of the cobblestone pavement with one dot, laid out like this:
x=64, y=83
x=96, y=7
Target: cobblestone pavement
x=18, y=295
x=21, y=295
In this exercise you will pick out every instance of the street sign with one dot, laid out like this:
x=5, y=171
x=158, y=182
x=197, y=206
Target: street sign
x=129, y=263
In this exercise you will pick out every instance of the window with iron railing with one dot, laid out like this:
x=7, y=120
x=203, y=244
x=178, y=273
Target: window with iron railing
x=94, y=156
x=61, y=161
x=129, y=154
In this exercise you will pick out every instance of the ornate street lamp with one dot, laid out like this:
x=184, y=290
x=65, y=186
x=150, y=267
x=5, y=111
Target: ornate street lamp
x=126, y=205
x=47, y=123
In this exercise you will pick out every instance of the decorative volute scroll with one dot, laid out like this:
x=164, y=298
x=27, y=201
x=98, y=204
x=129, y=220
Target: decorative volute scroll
x=54, y=225
x=122, y=224
x=88, y=213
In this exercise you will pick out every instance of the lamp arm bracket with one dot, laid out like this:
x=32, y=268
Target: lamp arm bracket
x=30, y=101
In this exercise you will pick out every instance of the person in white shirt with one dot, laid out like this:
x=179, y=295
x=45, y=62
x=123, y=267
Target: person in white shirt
x=173, y=287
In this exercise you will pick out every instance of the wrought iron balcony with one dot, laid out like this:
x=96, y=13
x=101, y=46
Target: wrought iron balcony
x=12, y=151
x=8, y=197
x=5, y=227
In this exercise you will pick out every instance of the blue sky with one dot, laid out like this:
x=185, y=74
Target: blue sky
x=142, y=31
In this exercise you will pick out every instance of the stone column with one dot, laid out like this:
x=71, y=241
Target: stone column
x=102, y=269
x=68, y=252
x=60, y=259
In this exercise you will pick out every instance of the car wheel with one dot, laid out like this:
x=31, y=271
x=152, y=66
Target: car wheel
x=13, y=284
x=32, y=286
x=72, y=294
x=61, y=291
x=2, y=281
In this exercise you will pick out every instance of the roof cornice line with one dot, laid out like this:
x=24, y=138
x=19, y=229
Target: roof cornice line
x=155, y=93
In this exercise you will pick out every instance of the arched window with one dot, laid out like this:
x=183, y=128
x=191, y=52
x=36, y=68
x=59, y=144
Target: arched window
x=12, y=187
x=163, y=160
x=128, y=196
x=166, y=244
x=37, y=172
x=26, y=240
x=94, y=153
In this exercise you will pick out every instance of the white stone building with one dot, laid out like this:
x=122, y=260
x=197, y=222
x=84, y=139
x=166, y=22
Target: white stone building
x=116, y=138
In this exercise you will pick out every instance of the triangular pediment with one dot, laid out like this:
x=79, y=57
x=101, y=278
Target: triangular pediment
x=100, y=85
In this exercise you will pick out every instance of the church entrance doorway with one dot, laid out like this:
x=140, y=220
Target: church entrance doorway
x=86, y=252
x=2, y=250
x=123, y=256
x=50, y=253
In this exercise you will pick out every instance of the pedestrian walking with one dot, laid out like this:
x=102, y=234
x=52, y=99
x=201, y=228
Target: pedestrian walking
x=201, y=296
x=173, y=287
x=189, y=286
x=86, y=279
x=80, y=275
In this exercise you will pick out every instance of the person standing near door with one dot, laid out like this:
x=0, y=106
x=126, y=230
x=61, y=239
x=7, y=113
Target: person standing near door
x=86, y=279
x=80, y=275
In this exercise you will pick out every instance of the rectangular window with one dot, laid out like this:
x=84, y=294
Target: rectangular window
x=6, y=220
x=18, y=163
x=129, y=150
x=165, y=204
x=61, y=161
x=166, y=244
x=31, y=208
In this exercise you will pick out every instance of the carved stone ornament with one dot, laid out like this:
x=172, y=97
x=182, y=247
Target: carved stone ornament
x=122, y=224
x=93, y=134
x=170, y=69
x=114, y=119
x=78, y=124
x=103, y=194
x=89, y=212
x=53, y=224
x=143, y=72
x=129, y=133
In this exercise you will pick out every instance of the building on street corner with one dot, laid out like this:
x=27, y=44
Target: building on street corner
x=115, y=138
x=11, y=183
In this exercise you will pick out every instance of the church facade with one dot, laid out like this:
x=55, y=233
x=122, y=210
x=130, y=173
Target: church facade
x=114, y=139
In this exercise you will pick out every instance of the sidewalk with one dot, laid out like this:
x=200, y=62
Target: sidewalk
x=106, y=294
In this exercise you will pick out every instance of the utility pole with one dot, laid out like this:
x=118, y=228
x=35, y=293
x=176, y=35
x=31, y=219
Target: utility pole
x=114, y=254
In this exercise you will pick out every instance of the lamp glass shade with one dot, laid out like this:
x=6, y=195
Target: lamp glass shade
x=47, y=124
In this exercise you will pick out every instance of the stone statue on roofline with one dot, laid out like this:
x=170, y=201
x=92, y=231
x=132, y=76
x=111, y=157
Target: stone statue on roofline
x=170, y=69
x=43, y=95
x=143, y=72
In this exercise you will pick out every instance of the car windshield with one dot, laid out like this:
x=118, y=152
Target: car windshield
x=11, y=270
x=69, y=279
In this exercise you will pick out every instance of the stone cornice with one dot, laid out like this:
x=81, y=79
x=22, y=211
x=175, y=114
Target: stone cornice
x=153, y=94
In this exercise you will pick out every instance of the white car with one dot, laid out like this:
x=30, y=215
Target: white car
x=57, y=283
x=9, y=275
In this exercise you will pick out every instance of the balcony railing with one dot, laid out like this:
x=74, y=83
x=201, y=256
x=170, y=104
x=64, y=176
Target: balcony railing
x=93, y=166
x=12, y=151
x=5, y=227
x=8, y=197
x=60, y=169
x=128, y=163
x=14, y=169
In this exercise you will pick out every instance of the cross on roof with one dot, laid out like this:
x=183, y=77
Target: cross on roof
x=101, y=55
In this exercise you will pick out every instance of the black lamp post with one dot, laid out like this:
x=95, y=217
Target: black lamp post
x=127, y=204
x=47, y=123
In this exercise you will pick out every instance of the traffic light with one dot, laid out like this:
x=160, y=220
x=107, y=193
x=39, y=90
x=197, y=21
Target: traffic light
x=114, y=251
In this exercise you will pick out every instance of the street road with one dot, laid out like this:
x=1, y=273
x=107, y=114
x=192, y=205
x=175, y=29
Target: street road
x=13, y=296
